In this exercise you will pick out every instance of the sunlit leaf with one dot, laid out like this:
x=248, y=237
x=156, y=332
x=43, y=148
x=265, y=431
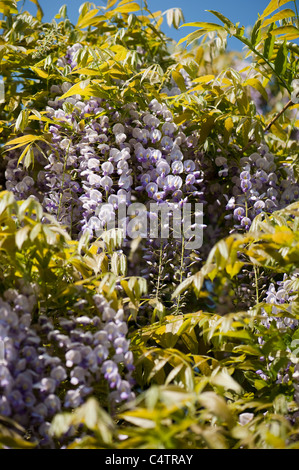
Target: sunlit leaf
x=281, y=15
x=40, y=13
x=273, y=5
x=287, y=32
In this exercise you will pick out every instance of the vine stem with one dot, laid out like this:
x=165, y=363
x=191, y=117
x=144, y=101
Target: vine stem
x=181, y=272
x=160, y=271
x=256, y=284
x=62, y=181
x=286, y=106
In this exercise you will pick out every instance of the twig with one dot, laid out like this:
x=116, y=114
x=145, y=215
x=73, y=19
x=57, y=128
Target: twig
x=286, y=106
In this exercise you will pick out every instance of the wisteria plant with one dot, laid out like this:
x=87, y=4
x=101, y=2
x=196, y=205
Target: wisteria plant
x=149, y=240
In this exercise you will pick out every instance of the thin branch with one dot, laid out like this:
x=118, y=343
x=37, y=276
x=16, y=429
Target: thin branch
x=286, y=106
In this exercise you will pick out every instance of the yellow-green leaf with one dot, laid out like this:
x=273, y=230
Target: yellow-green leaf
x=289, y=32
x=86, y=71
x=233, y=269
x=121, y=52
x=277, y=130
x=25, y=139
x=281, y=15
x=21, y=236
x=40, y=12
x=206, y=128
x=204, y=79
x=8, y=7
x=179, y=80
x=273, y=5
x=217, y=405
x=228, y=124
x=255, y=83
x=124, y=2
x=206, y=26
x=41, y=73
x=183, y=117
x=129, y=8
x=27, y=155
x=192, y=36
x=87, y=19
x=110, y=3
x=81, y=88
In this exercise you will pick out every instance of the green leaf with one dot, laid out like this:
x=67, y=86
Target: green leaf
x=281, y=60
x=159, y=309
x=198, y=280
x=204, y=79
x=41, y=73
x=277, y=130
x=189, y=379
x=256, y=33
x=269, y=44
x=232, y=27
x=30, y=205
x=14, y=441
x=140, y=422
x=121, y=52
x=6, y=200
x=11, y=435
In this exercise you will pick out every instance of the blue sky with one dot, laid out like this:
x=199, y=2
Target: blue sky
x=245, y=12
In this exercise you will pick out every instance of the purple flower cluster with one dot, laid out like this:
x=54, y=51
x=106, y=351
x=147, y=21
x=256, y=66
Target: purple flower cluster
x=281, y=296
x=27, y=383
x=45, y=369
x=71, y=56
x=260, y=186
